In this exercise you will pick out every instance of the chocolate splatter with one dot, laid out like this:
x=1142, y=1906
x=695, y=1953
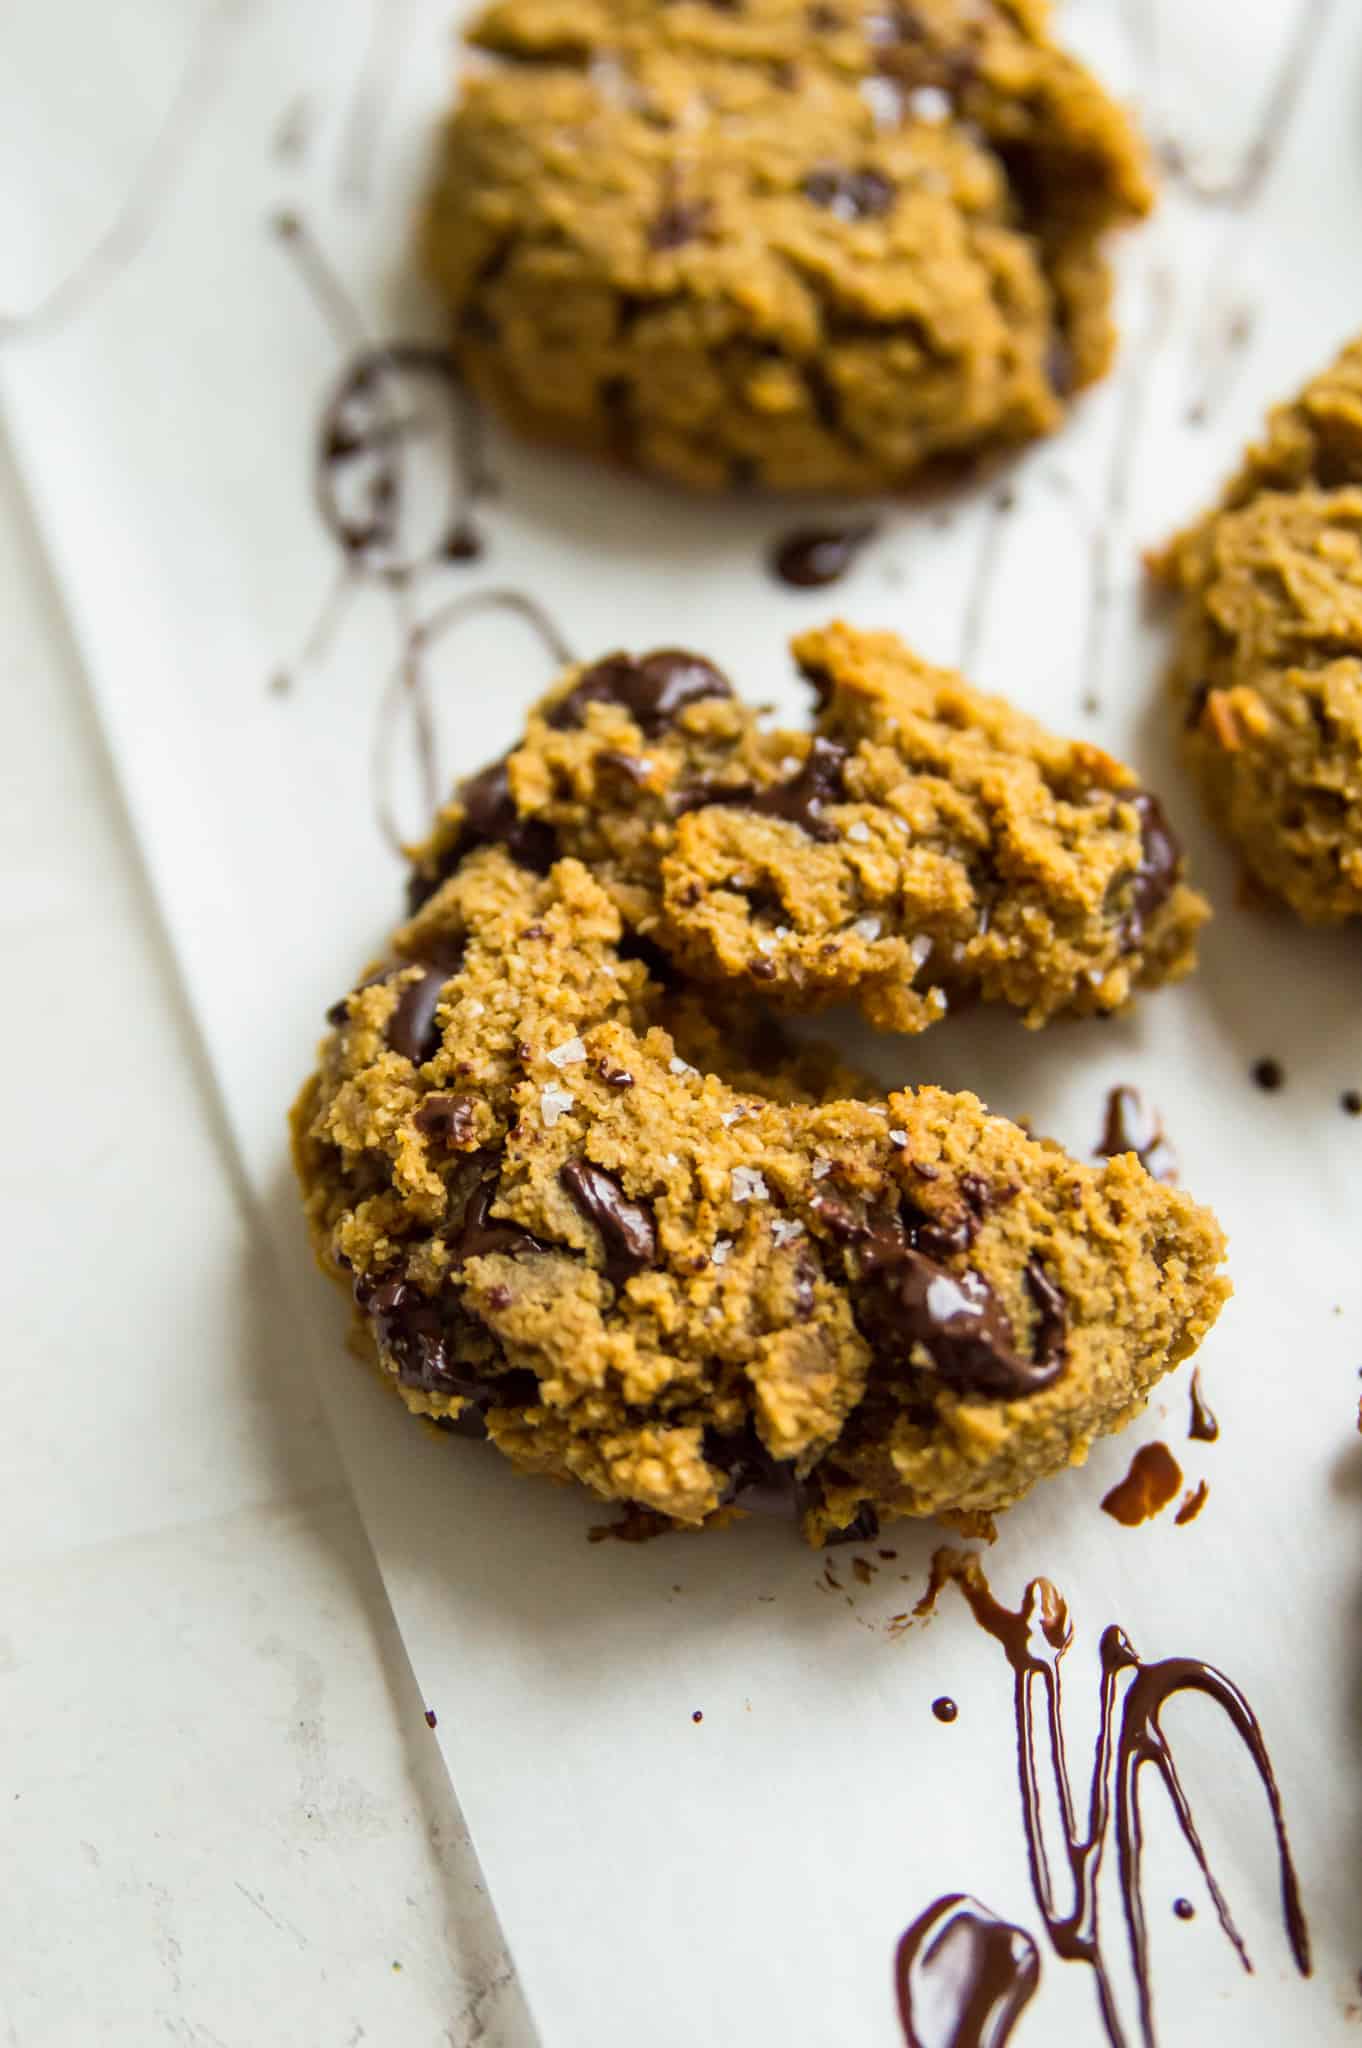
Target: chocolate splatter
x=628, y=1233
x=1350, y=1102
x=964, y=1977
x=812, y=557
x=1034, y=1640
x=1152, y=1481
x=1129, y=1126
x=1192, y=1505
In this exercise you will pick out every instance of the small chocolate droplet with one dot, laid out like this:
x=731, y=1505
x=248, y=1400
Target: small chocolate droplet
x=812, y=557
x=1184, y=1909
x=1350, y=1101
x=1268, y=1074
x=697, y=1715
x=944, y=1708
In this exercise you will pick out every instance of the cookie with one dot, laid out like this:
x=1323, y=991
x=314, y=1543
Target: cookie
x=804, y=246
x=925, y=846
x=1267, y=670
x=584, y=1217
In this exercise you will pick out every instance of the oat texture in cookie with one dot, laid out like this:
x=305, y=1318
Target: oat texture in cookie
x=626, y=1236
x=781, y=244
x=922, y=847
x=1267, y=671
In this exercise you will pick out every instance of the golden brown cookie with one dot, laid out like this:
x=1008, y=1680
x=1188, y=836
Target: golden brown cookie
x=809, y=246
x=923, y=847
x=1267, y=672
x=609, y=1222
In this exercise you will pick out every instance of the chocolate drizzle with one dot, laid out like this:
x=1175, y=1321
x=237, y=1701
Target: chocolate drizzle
x=1204, y=1426
x=812, y=557
x=1130, y=1736
x=653, y=688
x=964, y=1977
x=628, y=1233
x=1128, y=1126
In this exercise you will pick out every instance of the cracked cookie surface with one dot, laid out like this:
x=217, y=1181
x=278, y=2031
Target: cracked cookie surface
x=798, y=246
x=597, y=1221
x=1267, y=670
x=924, y=846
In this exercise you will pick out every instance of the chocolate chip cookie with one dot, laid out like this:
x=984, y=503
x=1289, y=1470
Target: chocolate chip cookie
x=807, y=244
x=924, y=846
x=636, y=1243
x=1267, y=673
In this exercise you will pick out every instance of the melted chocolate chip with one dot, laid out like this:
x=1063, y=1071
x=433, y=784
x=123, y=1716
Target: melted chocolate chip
x=800, y=800
x=851, y=195
x=812, y=557
x=478, y=1232
x=491, y=818
x=627, y=1230
x=447, y=1120
x=417, y=1336
x=653, y=688
x=1160, y=863
x=413, y=1029
x=680, y=221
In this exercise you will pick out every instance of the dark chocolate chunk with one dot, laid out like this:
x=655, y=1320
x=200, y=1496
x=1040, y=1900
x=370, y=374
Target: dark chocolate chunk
x=851, y=195
x=627, y=1230
x=800, y=800
x=1160, y=864
x=490, y=818
x=653, y=688
x=812, y=557
x=447, y=1120
x=413, y=1029
x=478, y=1232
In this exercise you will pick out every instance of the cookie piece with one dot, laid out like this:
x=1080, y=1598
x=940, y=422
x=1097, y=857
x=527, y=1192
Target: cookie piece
x=696, y=1293
x=808, y=247
x=1267, y=671
x=923, y=847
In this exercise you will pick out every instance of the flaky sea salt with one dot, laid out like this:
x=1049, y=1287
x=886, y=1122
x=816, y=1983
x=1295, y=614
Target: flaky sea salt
x=732, y=1116
x=553, y=1103
x=884, y=100
x=822, y=1168
x=676, y=1065
x=473, y=1008
x=749, y=1185
x=919, y=949
x=859, y=831
x=867, y=928
x=722, y=1247
x=899, y=1140
x=570, y=1053
x=784, y=1230
x=766, y=942
x=791, y=765
x=929, y=103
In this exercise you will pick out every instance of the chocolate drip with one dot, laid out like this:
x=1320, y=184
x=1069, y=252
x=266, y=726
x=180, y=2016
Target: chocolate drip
x=1129, y=1126
x=812, y=557
x=653, y=688
x=627, y=1230
x=1191, y=1507
x=799, y=801
x=964, y=1977
x=1034, y=1640
x=1152, y=1481
x=1158, y=870
x=1204, y=1427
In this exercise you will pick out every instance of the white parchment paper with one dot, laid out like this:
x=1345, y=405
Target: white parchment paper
x=163, y=363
